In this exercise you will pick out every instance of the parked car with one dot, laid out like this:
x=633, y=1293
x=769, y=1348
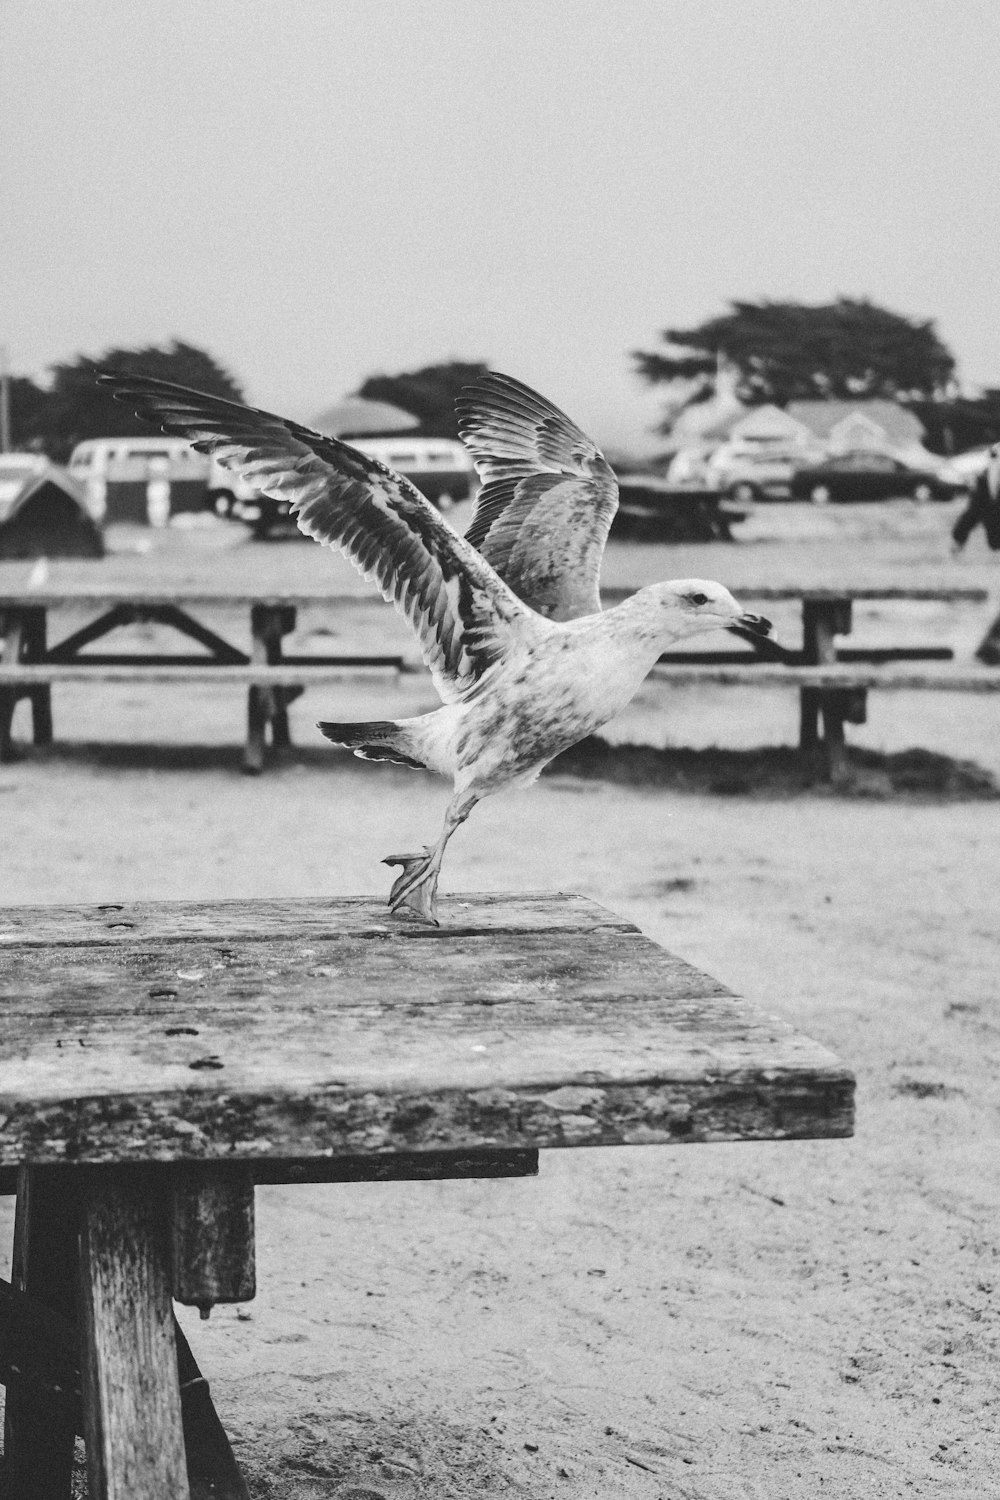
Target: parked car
x=653, y=509
x=441, y=469
x=753, y=472
x=865, y=475
x=228, y=492
x=966, y=467
x=116, y=472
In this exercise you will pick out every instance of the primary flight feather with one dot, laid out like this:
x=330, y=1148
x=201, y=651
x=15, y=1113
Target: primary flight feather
x=508, y=617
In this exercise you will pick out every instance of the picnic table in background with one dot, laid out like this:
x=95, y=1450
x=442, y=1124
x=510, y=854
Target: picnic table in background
x=833, y=678
x=160, y=1059
x=29, y=665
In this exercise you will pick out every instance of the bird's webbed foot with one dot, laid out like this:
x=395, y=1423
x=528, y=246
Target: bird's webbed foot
x=416, y=886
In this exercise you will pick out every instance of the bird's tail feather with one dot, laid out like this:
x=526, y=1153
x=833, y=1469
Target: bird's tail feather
x=381, y=739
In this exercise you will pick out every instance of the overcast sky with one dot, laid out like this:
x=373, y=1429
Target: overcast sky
x=315, y=190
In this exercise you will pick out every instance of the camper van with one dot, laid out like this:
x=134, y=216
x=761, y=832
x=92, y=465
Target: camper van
x=442, y=470
x=117, y=473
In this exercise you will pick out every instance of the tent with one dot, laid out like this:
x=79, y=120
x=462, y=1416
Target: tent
x=355, y=416
x=43, y=511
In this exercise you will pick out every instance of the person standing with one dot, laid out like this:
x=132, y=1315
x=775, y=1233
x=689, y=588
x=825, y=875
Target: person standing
x=983, y=508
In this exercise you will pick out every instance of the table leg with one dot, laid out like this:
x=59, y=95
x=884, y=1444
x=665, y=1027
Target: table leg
x=822, y=620
x=213, y=1472
x=131, y=1391
x=40, y=695
x=269, y=623
x=253, y=752
x=38, y=1437
x=11, y=652
x=988, y=650
x=8, y=700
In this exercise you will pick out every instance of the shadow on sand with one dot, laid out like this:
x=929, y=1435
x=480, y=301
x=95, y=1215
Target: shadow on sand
x=769, y=771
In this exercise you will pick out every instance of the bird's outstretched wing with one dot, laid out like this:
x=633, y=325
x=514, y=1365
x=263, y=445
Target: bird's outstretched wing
x=548, y=497
x=463, y=614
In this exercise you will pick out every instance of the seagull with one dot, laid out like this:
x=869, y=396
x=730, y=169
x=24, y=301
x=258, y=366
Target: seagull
x=508, y=617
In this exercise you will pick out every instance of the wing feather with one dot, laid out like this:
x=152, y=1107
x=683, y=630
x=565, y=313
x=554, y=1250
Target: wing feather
x=548, y=496
x=463, y=614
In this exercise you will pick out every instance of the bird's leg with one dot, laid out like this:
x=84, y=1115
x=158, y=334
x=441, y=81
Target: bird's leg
x=416, y=887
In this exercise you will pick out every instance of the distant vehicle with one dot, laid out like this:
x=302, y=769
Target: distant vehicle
x=116, y=472
x=688, y=469
x=653, y=509
x=966, y=467
x=865, y=475
x=441, y=469
x=228, y=491
x=753, y=472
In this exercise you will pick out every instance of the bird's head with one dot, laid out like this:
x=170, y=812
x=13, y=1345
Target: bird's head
x=691, y=605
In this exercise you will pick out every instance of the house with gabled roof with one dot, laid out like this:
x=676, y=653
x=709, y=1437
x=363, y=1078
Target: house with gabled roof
x=845, y=426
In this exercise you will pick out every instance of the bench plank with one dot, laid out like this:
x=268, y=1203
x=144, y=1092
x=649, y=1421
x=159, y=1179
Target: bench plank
x=395, y=1040
x=286, y=674
x=755, y=674
x=837, y=675
x=963, y=594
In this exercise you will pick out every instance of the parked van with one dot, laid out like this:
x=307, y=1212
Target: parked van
x=441, y=469
x=117, y=473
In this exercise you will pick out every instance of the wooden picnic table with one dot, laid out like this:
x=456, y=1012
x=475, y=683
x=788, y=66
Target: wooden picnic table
x=24, y=643
x=833, y=679
x=159, y=1059
x=272, y=678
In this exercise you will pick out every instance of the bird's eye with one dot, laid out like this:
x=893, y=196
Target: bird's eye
x=698, y=598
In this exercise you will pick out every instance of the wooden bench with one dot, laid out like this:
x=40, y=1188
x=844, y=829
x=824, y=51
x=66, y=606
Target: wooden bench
x=272, y=679
x=833, y=680
x=29, y=666
x=159, y=1059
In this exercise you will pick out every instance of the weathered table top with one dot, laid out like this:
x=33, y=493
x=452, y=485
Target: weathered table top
x=248, y=1030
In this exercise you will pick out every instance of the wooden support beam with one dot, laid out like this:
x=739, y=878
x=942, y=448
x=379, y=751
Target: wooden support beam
x=39, y=1431
x=212, y=1234
x=131, y=1392
x=39, y=1356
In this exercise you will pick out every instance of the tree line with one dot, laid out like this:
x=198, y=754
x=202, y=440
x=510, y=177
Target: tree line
x=771, y=352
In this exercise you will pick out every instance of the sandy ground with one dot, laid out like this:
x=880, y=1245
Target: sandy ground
x=766, y=1321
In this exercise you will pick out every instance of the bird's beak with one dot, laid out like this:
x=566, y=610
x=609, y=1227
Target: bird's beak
x=757, y=630
x=751, y=625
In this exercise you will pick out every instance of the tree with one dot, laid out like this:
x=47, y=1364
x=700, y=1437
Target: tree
x=966, y=422
x=428, y=394
x=28, y=409
x=786, y=351
x=76, y=407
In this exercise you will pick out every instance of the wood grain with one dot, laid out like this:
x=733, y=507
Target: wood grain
x=401, y=1166
x=122, y=922
x=212, y=1234
x=39, y=1354
x=944, y=679
x=39, y=1424
x=131, y=1392
x=573, y=1031
x=945, y=594
x=286, y=675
